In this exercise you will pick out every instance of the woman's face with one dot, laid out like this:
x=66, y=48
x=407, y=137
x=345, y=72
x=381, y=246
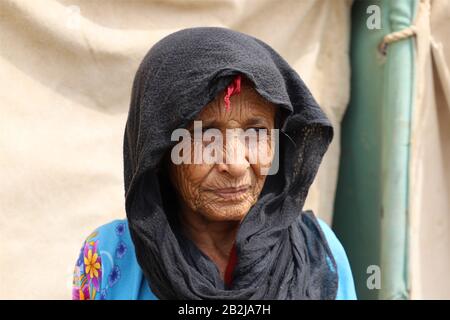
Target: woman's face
x=226, y=190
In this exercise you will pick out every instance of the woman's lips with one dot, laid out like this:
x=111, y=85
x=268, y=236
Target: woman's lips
x=231, y=193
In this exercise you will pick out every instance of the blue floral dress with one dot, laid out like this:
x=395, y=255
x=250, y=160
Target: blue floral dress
x=107, y=267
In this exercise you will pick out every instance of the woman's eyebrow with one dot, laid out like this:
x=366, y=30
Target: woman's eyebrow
x=254, y=121
x=207, y=124
x=257, y=121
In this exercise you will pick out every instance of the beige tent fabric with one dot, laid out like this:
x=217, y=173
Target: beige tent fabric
x=430, y=156
x=66, y=69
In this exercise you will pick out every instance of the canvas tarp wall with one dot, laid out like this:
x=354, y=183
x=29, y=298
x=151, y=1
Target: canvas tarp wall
x=392, y=207
x=429, y=189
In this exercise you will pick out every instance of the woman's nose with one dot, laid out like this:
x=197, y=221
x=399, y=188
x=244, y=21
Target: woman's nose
x=235, y=170
x=236, y=161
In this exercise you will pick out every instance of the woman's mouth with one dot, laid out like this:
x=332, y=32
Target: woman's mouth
x=231, y=193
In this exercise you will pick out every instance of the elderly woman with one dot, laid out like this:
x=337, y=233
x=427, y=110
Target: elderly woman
x=213, y=214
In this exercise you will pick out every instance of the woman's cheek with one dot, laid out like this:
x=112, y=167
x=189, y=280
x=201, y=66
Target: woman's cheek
x=188, y=180
x=265, y=155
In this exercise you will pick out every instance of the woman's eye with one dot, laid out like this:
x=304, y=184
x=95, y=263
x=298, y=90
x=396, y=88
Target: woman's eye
x=258, y=133
x=257, y=129
x=199, y=131
x=204, y=129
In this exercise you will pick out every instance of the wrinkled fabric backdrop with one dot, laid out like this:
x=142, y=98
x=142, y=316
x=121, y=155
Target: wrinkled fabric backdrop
x=66, y=70
x=429, y=169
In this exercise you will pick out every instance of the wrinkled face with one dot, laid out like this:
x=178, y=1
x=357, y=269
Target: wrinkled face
x=226, y=190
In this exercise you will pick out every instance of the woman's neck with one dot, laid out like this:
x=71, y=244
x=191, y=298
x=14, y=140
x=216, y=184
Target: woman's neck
x=214, y=238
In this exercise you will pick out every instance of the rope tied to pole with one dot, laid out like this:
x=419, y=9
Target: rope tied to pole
x=411, y=31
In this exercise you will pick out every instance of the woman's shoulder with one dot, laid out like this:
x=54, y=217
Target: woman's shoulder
x=346, y=286
x=111, y=241
x=335, y=245
x=107, y=267
x=111, y=233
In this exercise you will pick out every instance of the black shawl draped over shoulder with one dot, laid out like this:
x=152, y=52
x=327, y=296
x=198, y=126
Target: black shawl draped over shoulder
x=282, y=252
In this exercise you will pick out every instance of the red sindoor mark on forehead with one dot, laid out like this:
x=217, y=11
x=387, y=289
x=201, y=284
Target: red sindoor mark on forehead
x=233, y=88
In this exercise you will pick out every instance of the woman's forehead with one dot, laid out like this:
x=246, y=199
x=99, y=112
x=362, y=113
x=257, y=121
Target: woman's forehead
x=245, y=106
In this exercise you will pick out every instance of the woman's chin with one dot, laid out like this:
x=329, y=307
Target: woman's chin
x=228, y=212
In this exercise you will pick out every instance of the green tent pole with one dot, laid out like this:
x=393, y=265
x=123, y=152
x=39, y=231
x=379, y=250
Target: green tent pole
x=396, y=123
x=371, y=206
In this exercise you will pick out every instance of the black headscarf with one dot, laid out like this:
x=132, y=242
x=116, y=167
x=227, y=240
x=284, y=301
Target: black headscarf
x=282, y=252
